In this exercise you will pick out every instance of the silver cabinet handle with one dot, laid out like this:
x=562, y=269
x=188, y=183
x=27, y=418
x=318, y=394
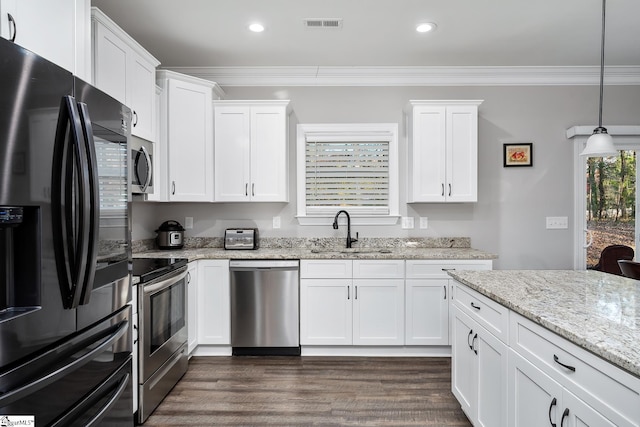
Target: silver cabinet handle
x=445, y=291
x=173, y=187
x=443, y=189
x=246, y=189
x=253, y=189
x=449, y=190
x=348, y=292
x=356, y=293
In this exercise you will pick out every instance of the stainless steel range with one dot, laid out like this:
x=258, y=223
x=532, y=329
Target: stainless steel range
x=162, y=311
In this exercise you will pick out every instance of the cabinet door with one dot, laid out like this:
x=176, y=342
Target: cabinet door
x=192, y=305
x=232, y=147
x=110, y=64
x=428, y=154
x=463, y=363
x=325, y=312
x=427, y=306
x=214, y=320
x=190, y=142
x=269, y=154
x=46, y=27
x=378, y=312
x=579, y=414
x=534, y=398
x=492, y=359
x=462, y=154
x=142, y=97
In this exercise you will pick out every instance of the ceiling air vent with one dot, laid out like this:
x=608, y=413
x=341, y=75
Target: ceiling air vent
x=323, y=23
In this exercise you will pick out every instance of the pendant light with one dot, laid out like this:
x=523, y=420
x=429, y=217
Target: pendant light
x=600, y=142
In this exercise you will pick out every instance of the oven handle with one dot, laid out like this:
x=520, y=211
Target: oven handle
x=155, y=287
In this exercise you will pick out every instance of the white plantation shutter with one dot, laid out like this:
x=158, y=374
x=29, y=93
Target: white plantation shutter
x=348, y=172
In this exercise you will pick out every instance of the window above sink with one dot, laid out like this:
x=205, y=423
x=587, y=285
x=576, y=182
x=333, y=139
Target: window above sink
x=348, y=166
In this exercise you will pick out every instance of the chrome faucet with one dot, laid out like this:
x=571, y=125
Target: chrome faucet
x=335, y=226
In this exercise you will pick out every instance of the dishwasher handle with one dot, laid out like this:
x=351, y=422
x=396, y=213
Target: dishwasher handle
x=264, y=264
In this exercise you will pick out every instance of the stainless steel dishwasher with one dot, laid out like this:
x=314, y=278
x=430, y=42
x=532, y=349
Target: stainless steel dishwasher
x=265, y=317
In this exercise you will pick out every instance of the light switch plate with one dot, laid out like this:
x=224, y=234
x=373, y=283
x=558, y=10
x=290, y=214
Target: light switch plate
x=188, y=222
x=557, y=222
x=424, y=222
x=276, y=222
x=407, y=222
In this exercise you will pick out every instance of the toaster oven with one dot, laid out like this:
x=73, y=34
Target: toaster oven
x=241, y=238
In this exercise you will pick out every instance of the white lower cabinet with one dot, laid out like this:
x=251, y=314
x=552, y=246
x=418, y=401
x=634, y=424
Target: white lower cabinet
x=192, y=305
x=479, y=372
x=537, y=400
x=428, y=299
x=214, y=320
x=338, y=309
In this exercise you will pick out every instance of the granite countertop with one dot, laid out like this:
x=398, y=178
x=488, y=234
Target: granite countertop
x=437, y=248
x=597, y=311
x=321, y=253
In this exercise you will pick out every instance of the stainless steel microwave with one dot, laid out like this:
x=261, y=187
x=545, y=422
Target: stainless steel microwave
x=141, y=166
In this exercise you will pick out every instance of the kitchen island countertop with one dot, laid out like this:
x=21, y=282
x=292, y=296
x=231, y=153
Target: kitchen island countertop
x=597, y=311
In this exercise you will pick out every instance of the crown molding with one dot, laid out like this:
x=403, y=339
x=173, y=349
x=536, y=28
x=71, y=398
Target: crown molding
x=414, y=76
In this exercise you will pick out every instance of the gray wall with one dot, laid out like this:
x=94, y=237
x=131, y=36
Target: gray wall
x=509, y=217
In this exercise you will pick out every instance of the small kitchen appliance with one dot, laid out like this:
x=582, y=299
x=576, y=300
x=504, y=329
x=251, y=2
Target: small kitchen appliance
x=241, y=238
x=170, y=235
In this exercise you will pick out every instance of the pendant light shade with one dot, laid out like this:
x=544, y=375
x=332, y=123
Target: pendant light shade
x=600, y=143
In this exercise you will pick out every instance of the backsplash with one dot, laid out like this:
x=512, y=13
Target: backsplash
x=319, y=242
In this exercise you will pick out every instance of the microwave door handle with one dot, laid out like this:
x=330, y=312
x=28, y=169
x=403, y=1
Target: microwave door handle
x=67, y=130
x=149, y=168
x=93, y=213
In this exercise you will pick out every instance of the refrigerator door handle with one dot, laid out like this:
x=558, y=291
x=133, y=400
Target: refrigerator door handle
x=93, y=213
x=72, y=414
x=68, y=190
x=47, y=378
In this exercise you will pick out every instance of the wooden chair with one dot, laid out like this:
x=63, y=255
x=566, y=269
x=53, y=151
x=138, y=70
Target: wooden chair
x=610, y=256
x=630, y=269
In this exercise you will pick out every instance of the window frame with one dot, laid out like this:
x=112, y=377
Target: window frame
x=345, y=131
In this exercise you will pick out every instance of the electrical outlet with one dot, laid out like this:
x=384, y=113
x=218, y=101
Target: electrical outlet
x=557, y=222
x=407, y=222
x=276, y=222
x=188, y=222
x=424, y=222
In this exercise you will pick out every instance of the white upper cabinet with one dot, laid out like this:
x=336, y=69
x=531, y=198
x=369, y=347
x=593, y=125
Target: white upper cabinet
x=57, y=30
x=251, y=151
x=125, y=70
x=443, y=151
x=186, y=137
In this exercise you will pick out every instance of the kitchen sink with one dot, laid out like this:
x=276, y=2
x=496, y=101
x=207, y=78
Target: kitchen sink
x=351, y=251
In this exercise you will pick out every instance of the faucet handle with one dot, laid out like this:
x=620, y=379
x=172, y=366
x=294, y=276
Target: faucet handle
x=356, y=239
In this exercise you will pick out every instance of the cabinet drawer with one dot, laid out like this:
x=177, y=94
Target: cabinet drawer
x=378, y=269
x=489, y=314
x=326, y=269
x=594, y=380
x=426, y=269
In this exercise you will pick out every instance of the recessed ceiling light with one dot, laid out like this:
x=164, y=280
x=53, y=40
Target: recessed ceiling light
x=256, y=28
x=425, y=27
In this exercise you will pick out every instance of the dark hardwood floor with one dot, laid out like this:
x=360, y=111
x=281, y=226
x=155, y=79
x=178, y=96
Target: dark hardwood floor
x=307, y=391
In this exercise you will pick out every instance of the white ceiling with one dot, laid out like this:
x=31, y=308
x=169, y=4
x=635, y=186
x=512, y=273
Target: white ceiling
x=381, y=32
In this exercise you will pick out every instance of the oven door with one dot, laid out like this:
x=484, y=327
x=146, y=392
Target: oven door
x=141, y=166
x=163, y=320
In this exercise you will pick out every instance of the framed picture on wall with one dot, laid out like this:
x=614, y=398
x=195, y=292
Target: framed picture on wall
x=517, y=155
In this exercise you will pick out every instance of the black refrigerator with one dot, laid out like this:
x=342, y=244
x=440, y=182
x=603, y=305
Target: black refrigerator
x=65, y=255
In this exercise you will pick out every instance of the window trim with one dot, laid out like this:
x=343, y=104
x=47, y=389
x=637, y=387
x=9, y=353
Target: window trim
x=356, y=131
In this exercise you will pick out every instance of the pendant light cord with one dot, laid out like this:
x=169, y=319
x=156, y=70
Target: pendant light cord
x=604, y=7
